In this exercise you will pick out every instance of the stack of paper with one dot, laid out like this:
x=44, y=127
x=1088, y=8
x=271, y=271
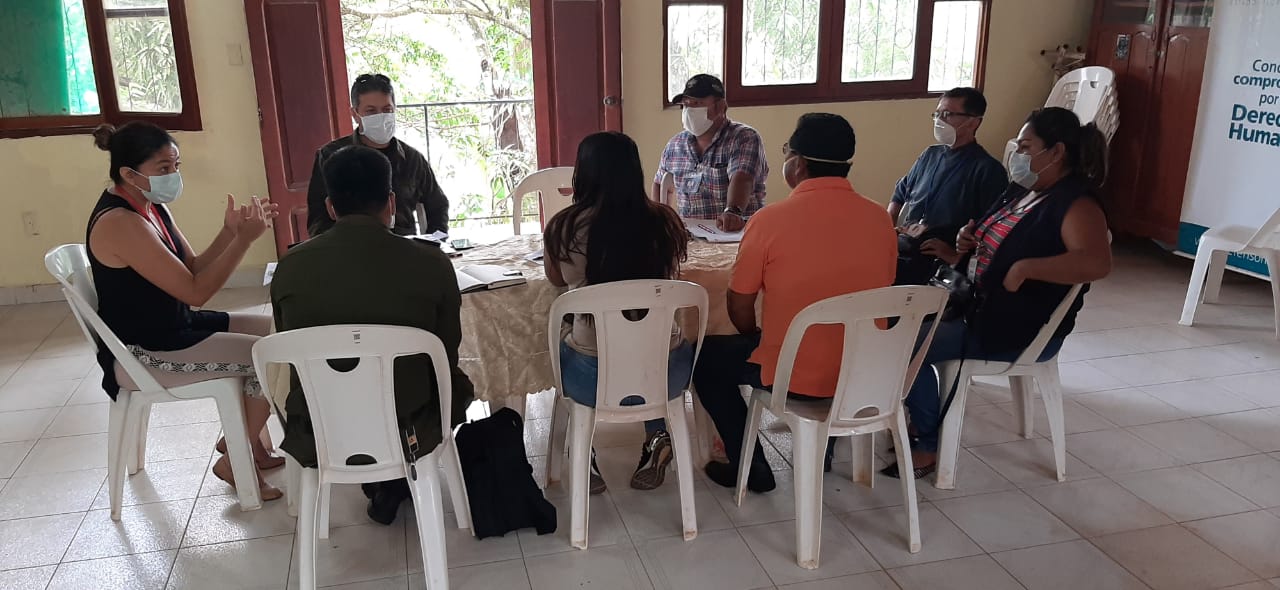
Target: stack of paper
x=707, y=230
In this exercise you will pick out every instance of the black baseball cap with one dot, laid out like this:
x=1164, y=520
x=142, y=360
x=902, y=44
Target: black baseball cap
x=701, y=86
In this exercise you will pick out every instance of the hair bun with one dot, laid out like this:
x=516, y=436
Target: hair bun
x=102, y=136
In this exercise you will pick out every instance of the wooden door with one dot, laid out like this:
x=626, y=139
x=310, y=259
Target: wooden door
x=1124, y=39
x=300, y=68
x=1183, y=52
x=577, y=70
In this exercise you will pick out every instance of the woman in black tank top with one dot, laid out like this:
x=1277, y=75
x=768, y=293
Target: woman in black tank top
x=148, y=278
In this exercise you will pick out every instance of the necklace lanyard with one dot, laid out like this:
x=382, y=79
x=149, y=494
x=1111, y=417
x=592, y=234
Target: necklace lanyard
x=1006, y=214
x=152, y=215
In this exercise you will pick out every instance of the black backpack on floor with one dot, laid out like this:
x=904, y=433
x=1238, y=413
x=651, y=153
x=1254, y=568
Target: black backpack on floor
x=500, y=486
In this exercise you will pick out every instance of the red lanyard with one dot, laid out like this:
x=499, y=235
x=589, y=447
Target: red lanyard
x=149, y=212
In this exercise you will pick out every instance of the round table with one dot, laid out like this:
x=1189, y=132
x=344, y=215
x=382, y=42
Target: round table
x=504, y=331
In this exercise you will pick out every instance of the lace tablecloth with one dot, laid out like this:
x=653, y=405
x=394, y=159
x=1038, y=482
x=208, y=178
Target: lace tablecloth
x=504, y=331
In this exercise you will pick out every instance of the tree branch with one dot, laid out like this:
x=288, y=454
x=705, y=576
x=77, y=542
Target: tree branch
x=505, y=23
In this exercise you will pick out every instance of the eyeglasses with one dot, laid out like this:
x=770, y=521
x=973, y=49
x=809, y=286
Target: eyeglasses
x=947, y=115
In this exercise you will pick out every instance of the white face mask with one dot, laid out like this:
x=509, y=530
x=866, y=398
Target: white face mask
x=696, y=121
x=164, y=189
x=379, y=128
x=944, y=133
x=1020, y=171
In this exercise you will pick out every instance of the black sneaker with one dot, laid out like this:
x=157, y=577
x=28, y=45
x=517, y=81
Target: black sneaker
x=655, y=456
x=597, y=485
x=760, y=480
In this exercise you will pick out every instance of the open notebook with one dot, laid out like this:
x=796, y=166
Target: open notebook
x=480, y=277
x=707, y=230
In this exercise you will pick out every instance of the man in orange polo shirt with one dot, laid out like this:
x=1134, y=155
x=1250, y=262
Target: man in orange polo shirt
x=824, y=240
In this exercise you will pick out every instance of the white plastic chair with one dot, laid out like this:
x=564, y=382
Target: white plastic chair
x=1211, y=262
x=349, y=424
x=1022, y=373
x=633, y=361
x=668, y=191
x=547, y=183
x=876, y=369
x=130, y=412
x=1090, y=93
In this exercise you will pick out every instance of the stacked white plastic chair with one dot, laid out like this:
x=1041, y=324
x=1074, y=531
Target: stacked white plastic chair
x=1090, y=93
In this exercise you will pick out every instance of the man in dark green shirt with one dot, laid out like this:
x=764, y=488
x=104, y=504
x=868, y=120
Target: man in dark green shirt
x=373, y=106
x=360, y=272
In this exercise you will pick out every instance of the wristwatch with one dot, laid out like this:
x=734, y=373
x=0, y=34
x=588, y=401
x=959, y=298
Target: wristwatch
x=734, y=210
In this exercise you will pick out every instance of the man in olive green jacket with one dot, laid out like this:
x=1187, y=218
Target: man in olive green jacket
x=360, y=272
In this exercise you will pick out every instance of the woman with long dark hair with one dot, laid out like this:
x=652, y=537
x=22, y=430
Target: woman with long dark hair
x=614, y=232
x=1045, y=234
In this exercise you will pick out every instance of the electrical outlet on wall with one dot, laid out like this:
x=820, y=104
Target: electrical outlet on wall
x=29, y=223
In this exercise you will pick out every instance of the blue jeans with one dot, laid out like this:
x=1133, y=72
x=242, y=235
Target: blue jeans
x=580, y=373
x=924, y=401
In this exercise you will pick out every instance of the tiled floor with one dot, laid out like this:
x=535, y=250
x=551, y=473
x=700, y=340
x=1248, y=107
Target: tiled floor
x=1174, y=482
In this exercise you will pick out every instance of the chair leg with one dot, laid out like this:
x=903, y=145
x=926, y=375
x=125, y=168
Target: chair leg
x=308, y=506
x=133, y=438
x=809, y=447
x=680, y=439
x=864, y=459
x=1213, y=281
x=1051, y=390
x=583, y=425
x=555, y=444
x=457, y=485
x=117, y=433
x=1273, y=270
x=428, y=506
x=903, y=450
x=322, y=510
x=144, y=424
x=952, y=428
x=231, y=412
x=705, y=431
x=749, y=438
x=1023, y=405
x=1199, y=271
x=293, y=484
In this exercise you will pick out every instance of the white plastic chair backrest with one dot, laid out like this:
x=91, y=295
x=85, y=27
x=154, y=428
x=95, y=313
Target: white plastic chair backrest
x=1032, y=354
x=668, y=188
x=633, y=354
x=547, y=183
x=69, y=264
x=1091, y=94
x=354, y=412
x=876, y=365
x=1267, y=236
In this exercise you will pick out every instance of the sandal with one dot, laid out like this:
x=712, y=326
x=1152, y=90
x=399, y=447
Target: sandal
x=271, y=462
x=918, y=472
x=267, y=491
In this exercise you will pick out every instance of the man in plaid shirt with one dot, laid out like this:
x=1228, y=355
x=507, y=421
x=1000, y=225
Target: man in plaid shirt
x=718, y=165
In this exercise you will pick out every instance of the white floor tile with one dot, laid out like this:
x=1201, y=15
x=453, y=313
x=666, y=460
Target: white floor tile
x=190, y=441
x=141, y=529
x=53, y=369
x=144, y=571
x=1192, y=441
x=1004, y=521
x=465, y=550
x=1199, y=398
x=774, y=546
x=1030, y=463
x=774, y=506
x=1082, y=377
x=218, y=519
x=25, y=424
x=185, y=412
x=359, y=554
x=841, y=495
x=674, y=563
x=1257, y=478
x=396, y=583
x=32, y=395
x=988, y=425
x=656, y=513
x=258, y=564
x=507, y=575
x=1096, y=507
x=78, y=420
x=604, y=527
x=1117, y=451
x=35, y=577
x=1259, y=429
x=1171, y=558
x=1067, y=566
x=32, y=542
x=1129, y=407
x=1259, y=388
x=69, y=453
x=884, y=533
x=53, y=493
x=1076, y=418
x=160, y=482
x=1184, y=494
x=972, y=477
x=616, y=567
x=12, y=454
x=1252, y=539
x=871, y=581
x=968, y=573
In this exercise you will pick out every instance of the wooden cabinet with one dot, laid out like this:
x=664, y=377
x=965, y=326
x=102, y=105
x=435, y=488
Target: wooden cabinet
x=1157, y=49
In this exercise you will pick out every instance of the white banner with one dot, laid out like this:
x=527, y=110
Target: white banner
x=1235, y=162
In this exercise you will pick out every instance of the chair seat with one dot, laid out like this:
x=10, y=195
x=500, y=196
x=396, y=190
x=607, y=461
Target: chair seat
x=1228, y=237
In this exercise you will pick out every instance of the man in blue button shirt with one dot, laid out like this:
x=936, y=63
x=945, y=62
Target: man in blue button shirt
x=951, y=184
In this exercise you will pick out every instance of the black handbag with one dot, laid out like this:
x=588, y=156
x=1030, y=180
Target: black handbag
x=964, y=297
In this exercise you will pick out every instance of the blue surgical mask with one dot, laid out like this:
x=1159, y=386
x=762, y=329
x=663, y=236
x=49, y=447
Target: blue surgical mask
x=164, y=189
x=1020, y=171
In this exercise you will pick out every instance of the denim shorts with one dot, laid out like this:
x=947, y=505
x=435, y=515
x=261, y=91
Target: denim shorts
x=579, y=373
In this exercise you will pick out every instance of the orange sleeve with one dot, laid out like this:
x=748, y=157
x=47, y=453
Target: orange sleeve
x=748, y=269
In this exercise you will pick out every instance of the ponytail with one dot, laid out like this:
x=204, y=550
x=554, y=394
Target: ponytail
x=1086, y=146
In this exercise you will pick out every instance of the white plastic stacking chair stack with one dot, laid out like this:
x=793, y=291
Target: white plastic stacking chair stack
x=1211, y=262
x=349, y=425
x=547, y=183
x=1091, y=94
x=633, y=361
x=667, y=192
x=1022, y=374
x=131, y=410
x=876, y=369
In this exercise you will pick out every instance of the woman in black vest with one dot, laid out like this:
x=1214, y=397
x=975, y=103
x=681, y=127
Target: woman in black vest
x=148, y=278
x=1045, y=234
